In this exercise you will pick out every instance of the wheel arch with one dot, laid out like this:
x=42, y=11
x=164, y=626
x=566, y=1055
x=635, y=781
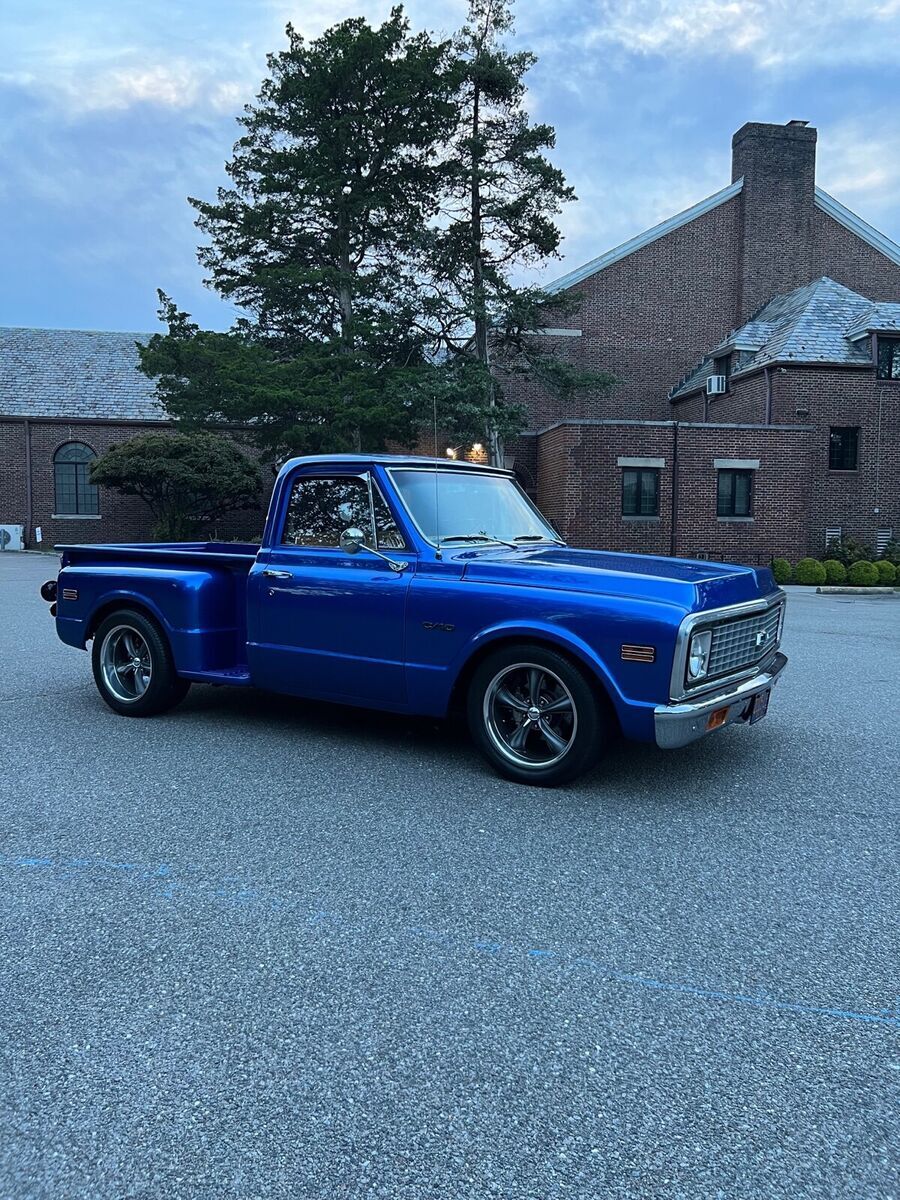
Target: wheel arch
x=117, y=602
x=571, y=648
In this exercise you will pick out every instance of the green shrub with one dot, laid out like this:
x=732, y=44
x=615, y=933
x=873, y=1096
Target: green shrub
x=887, y=573
x=809, y=570
x=781, y=569
x=848, y=550
x=891, y=552
x=835, y=572
x=863, y=574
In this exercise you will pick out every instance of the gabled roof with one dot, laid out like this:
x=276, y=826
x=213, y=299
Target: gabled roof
x=76, y=373
x=644, y=239
x=833, y=208
x=809, y=325
x=825, y=203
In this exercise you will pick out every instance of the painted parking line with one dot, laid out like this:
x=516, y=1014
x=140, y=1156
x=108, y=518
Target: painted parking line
x=163, y=882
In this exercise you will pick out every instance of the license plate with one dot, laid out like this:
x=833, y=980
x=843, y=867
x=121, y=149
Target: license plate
x=760, y=706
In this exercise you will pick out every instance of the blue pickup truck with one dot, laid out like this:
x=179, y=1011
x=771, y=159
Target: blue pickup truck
x=423, y=586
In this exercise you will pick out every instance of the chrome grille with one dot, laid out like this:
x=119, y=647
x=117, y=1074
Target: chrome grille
x=744, y=642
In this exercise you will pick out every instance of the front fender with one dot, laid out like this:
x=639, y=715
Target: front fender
x=635, y=717
x=542, y=631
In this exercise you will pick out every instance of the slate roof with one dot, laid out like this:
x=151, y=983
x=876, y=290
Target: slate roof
x=76, y=373
x=810, y=325
x=881, y=318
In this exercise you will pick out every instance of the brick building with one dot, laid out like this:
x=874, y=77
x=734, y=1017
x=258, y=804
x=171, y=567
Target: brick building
x=755, y=339
x=66, y=395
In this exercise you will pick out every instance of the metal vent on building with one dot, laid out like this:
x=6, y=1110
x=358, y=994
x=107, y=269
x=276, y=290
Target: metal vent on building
x=882, y=537
x=832, y=534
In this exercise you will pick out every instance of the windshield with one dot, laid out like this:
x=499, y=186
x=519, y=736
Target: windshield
x=467, y=506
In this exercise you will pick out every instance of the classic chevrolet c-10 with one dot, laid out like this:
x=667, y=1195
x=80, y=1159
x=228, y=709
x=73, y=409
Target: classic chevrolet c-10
x=423, y=586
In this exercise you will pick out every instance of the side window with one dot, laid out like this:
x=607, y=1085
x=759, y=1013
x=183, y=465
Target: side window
x=319, y=511
x=387, y=535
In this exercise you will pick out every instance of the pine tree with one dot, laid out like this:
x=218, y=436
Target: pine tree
x=501, y=199
x=332, y=183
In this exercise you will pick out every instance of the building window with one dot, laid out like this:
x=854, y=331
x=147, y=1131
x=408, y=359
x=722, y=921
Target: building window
x=722, y=366
x=640, y=492
x=735, y=494
x=75, y=495
x=843, y=448
x=889, y=358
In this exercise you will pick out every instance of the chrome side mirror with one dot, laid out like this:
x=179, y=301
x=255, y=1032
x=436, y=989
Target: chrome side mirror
x=353, y=540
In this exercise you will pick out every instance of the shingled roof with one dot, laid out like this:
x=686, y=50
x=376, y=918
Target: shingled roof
x=813, y=324
x=76, y=373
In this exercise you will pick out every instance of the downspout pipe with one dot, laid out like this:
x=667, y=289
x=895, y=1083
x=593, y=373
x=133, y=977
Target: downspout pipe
x=767, y=371
x=29, y=488
x=673, y=517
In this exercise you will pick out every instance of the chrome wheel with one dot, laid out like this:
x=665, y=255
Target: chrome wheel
x=530, y=715
x=125, y=663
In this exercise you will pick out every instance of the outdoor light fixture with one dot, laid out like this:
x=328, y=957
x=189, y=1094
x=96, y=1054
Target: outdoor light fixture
x=698, y=656
x=477, y=448
x=451, y=452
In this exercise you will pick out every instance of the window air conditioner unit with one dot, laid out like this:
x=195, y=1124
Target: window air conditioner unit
x=716, y=385
x=11, y=537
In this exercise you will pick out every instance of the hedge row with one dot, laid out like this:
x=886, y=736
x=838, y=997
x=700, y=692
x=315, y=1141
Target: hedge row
x=858, y=574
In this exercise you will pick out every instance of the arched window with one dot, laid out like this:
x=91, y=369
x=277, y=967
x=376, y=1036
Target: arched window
x=75, y=494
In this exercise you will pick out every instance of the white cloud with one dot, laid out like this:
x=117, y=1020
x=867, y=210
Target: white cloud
x=859, y=164
x=771, y=33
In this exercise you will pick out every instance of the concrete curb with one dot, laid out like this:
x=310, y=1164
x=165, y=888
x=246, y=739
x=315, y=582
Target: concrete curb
x=858, y=591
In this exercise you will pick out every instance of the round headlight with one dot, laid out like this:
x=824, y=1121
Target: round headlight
x=698, y=654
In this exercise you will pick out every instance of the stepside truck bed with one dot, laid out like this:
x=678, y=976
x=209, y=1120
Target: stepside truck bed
x=196, y=590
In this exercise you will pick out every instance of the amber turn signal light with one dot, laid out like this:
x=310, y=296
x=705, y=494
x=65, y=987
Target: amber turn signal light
x=717, y=719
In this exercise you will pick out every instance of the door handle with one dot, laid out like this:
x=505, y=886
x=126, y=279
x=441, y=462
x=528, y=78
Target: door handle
x=277, y=574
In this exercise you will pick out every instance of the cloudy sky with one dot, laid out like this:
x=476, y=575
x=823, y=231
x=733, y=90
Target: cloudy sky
x=112, y=112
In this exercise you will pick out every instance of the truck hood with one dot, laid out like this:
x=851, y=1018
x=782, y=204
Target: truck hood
x=689, y=583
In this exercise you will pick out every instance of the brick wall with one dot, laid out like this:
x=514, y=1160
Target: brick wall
x=121, y=519
x=580, y=487
x=839, y=253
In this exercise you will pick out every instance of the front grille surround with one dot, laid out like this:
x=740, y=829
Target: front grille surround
x=734, y=652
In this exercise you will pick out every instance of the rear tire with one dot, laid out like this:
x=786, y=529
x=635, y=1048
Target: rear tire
x=536, y=716
x=133, y=666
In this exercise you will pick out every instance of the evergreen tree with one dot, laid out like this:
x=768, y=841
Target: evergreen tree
x=501, y=196
x=332, y=183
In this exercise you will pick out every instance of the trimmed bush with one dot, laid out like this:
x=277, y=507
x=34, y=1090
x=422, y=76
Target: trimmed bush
x=781, y=569
x=809, y=570
x=848, y=550
x=863, y=574
x=835, y=572
x=887, y=573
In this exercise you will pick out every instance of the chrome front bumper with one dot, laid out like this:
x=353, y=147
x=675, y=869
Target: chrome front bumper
x=678, y=724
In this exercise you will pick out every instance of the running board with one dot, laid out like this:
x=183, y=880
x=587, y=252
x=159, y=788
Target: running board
x=233, y=676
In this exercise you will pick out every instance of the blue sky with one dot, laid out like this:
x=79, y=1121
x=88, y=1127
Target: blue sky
x=112, y=113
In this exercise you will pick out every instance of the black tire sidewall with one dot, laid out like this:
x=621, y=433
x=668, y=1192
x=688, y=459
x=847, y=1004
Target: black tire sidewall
x=165, y=688
x=593, y=729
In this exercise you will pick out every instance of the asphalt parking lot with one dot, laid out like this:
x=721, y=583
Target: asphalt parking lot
x=259, y=948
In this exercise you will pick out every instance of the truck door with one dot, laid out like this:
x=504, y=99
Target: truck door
x=322, y=621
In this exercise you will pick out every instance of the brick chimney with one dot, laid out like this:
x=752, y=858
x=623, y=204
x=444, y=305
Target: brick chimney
x=778, y=166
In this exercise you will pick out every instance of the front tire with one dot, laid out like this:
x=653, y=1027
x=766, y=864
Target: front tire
x=535, y=715
x=133, y=666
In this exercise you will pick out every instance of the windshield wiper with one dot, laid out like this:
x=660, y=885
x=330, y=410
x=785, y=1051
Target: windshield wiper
x=538, y=537
x=474, y=537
